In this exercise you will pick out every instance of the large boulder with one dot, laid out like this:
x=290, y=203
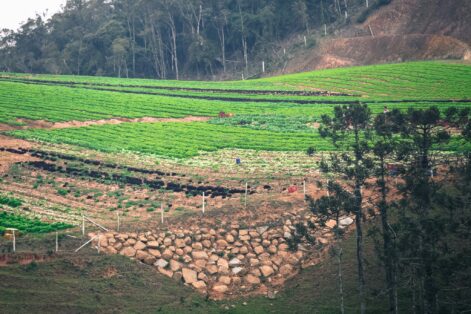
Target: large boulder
x=267, y=271
x=139, y=246
x=252, y=279
x=180, y=243
x=128, y=251
x=220, y=288
x=285, y=270
x=153, y=245
x=161, y=263
x=189, y=276
x=200, y=284
x=199, y=255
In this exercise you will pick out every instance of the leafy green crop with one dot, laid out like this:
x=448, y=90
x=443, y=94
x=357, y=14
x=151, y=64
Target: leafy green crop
x=28, y=225
x=10, y=201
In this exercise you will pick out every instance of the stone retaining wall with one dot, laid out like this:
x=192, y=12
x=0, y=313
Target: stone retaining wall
x=226, y=262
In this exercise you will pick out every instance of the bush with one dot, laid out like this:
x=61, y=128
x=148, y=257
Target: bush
x=311, y=151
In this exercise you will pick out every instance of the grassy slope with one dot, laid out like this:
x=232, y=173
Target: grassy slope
x=76, y=283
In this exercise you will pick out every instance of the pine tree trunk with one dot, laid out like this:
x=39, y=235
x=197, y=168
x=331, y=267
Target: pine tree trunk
x=388, y=247
x=359, y=236
x=358, y=222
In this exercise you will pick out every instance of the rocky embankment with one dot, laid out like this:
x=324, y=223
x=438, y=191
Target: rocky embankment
x=232, y=259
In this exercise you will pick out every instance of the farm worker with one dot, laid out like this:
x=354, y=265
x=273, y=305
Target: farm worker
x=238, y=161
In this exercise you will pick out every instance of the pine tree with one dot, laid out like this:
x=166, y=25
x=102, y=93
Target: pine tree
x=350, y=130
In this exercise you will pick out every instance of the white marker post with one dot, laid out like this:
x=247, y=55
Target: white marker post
x=162, y=213
x=263, y=66
x=14, y=241
x=83, y=224
x=57, y=241
x=305, y=41
x=325, y=30
x=304, y=188
x=203, y=202
x=117, y=216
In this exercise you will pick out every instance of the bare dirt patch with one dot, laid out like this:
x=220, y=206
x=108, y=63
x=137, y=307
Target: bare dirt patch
x=42, y=124
x=365, y=50
x=7, y=159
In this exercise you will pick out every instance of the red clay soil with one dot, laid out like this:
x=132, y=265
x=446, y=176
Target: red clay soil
x=22, y=259
x=404, y=30
x=343, y=52
x=8, y=159
x=438, y=17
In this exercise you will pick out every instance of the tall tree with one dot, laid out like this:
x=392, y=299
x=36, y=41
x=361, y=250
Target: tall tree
x=350, y=130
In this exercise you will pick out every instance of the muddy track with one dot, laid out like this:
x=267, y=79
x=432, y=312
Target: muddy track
x=240, y=99
x=189, y=89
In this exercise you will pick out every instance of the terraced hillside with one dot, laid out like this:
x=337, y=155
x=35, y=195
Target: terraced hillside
x=183, y=137
x=191, y=159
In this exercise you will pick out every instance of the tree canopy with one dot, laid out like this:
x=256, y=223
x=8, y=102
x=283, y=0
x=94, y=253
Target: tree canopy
x=160, y=38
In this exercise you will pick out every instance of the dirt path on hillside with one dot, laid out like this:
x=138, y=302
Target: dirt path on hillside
x=42, y=124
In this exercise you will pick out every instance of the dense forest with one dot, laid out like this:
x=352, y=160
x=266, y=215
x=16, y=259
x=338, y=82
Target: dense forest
x=168, y=39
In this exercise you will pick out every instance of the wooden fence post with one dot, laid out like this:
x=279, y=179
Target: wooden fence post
x=83, y=224
x=246, y=193
x=162, y=213
x=117, y=216
x=57, y=241
x=204, y=202
x=14, y=242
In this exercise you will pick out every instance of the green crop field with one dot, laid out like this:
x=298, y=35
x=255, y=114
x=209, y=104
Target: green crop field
x=27, y=225
x=417, y=80
x=272, y=114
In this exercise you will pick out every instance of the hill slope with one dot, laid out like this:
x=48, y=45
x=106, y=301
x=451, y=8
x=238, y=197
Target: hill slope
x=404, y=30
